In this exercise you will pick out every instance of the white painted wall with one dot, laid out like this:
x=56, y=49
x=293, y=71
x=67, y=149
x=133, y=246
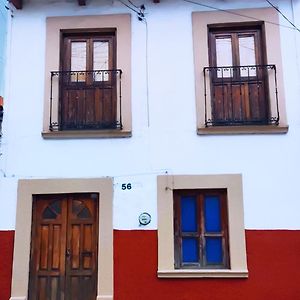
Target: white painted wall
x=269, y=163
x=3, y=34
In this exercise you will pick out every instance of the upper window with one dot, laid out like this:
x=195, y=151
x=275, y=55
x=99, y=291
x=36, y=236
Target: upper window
x=89, y=82
x=238, y=77
x=88, y=77
x=238, y=72
x=200, y=229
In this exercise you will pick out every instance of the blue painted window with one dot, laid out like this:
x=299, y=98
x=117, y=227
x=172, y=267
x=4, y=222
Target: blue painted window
x=201, y=238
x=190, y=250
x=188, y=214
x=212, y=213
x=214, y=250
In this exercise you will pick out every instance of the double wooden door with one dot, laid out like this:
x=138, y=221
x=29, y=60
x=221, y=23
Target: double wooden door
x=239, y=76
x=88, y=82
x=64, y=243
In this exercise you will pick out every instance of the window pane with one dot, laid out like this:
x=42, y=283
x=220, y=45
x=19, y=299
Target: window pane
x=85, y=213
x=214, y=250
x=212, y=213
x=190, y=250
x=188, y=214
x=78, y=60
x=77, y=206
x=224, y=56
x=56, y=206
x=49, y=214
x=101, y=60
x=52, y=210
x=247, y=55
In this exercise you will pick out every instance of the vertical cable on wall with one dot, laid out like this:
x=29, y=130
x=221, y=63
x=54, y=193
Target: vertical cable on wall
x=147, y=74
x=140, y=12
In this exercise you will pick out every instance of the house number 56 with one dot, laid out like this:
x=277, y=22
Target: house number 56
x=126, y=186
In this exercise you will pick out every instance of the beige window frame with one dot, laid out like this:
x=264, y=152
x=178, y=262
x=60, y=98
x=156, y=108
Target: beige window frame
x=200, y=23
x=26, y=190
x=121, y=23
x=166, y=184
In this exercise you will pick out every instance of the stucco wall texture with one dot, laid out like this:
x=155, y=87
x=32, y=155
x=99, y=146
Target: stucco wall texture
x=273, y=263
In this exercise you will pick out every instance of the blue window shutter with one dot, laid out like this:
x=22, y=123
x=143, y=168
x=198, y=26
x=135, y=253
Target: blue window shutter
x=188, y=214
x=212, y=213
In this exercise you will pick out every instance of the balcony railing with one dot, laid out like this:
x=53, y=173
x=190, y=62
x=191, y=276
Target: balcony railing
x=241, y=95
x=1, y=117
x=85, y=100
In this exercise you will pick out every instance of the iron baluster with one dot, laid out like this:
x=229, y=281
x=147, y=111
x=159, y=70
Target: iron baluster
x=276, y=95
x=205, y=99
x=249, y=110
x=51, y=101
x=120, y=97
x=74, y=89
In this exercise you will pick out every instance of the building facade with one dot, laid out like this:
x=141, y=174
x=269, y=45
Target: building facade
x=3, y=35
x=150, y=150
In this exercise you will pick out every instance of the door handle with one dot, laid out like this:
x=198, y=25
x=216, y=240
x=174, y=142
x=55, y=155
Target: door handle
x=68, y=253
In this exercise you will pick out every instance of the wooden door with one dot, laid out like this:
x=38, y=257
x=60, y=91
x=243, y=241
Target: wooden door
x=88, y=94
x=64, y=243
x=239, y=78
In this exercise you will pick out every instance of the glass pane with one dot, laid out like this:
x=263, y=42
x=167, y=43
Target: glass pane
x=214, y=250
x=79, y=209
x=188, y=214
x=212, y=213
x=247, y=55
x=56, y=206
x=78, y=60
x=101, y=60
x=224, y=57
x=85, y=213
x=190, y=250
x=48, y=214
x=77, y=206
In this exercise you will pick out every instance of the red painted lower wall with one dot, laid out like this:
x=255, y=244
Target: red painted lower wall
x=6, y=256
x=273, y=263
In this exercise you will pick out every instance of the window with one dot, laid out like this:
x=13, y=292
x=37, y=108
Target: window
x=201, y=226
x=200, y=229
x=238, y=77
x=88, y=77
x=238, y=73
x=89, y=82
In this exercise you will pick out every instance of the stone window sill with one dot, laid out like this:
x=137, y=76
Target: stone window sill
x=208, y=273
x=86, y=134
x=250, y=129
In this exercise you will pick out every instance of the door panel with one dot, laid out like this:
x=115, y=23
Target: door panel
x=239, y=93
x=224, y=56
x=88, y=82
x=239, y=102
x=63, y=263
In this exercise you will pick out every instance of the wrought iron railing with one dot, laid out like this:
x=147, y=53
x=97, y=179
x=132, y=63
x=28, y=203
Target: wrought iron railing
x=241, y=95
x=1, y=118
x=85, y=100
